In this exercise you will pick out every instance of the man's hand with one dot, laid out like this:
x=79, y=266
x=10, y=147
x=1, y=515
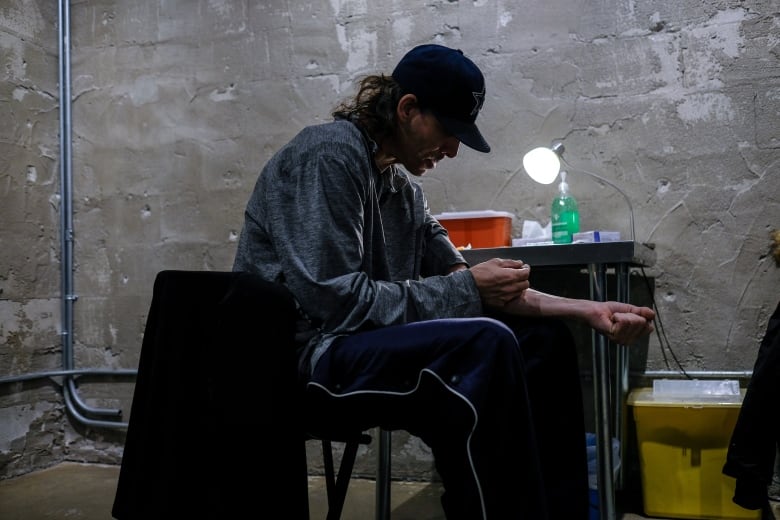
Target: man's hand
x=500, y=281
x=622, y=323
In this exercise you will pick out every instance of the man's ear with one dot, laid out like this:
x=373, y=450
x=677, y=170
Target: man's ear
x=407, y=106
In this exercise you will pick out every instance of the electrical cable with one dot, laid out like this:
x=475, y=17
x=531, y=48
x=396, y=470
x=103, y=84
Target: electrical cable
x=660, y=331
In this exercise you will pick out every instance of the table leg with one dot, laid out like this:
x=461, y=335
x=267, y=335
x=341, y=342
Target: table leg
x=621, y=376
x=601, y=396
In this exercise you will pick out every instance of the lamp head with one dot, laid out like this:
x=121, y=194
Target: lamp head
x=543, y=164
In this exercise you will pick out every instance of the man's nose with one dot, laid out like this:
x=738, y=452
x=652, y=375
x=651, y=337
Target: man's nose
x=450, y=147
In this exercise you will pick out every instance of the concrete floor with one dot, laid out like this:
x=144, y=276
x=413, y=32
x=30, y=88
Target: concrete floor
x=86, y=492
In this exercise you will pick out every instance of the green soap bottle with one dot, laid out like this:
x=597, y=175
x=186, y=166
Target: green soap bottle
x=564, y=214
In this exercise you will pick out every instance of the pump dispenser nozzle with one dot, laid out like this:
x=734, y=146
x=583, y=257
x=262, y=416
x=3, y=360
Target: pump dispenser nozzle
x=563, y=187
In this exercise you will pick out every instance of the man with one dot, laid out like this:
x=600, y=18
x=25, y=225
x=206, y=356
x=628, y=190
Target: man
x=396, y=329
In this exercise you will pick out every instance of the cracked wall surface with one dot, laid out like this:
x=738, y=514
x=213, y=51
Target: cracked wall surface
x=178, y=104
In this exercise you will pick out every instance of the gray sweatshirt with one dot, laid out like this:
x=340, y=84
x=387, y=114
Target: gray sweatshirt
x=358, y=248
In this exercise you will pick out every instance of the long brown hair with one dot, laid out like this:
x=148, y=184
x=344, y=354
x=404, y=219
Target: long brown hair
x=373, y=107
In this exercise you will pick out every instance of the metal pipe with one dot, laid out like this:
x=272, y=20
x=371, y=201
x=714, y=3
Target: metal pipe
x=74, y=372
x=601, y=398
x=66, y=188
x=97, y=423
x=69, y=384
x=715, y=374
x=73, y=402
x=621, y=377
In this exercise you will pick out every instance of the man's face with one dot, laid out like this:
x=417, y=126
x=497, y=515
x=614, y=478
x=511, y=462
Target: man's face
x=424, y=142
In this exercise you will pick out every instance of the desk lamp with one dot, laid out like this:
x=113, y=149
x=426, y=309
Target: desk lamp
x=544, y=163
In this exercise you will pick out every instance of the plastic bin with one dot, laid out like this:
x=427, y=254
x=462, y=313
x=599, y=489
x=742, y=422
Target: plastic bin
x=486, y=228
x=682, y=444
x=592, y=451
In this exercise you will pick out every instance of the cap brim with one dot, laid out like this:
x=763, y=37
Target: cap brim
x=467, y=133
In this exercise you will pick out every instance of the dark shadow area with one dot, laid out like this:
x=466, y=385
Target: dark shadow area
x=573, y=283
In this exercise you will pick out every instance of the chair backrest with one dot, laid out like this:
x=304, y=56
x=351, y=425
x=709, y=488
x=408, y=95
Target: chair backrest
x=214, y=427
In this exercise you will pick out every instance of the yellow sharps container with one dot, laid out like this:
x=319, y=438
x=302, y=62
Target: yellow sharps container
x=682, y=447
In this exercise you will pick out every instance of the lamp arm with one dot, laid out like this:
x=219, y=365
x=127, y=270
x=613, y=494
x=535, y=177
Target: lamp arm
x=613, y=185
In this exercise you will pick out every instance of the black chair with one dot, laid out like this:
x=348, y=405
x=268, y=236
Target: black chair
x=215, y=429
x=336, y=484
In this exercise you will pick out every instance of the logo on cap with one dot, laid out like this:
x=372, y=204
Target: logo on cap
x=479, y=100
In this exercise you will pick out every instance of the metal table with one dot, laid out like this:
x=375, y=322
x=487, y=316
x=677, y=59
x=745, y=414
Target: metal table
x=597, y=257
x=609, y=413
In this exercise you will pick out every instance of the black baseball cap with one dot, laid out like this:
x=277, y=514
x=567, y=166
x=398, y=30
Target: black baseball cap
x=448, y=84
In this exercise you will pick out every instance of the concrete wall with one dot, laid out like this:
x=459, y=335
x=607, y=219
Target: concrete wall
x=177, y=105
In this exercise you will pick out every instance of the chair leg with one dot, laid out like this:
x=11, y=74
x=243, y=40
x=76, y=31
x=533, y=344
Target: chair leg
x=383, y=475
x=337, y=485
x=330, y=478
